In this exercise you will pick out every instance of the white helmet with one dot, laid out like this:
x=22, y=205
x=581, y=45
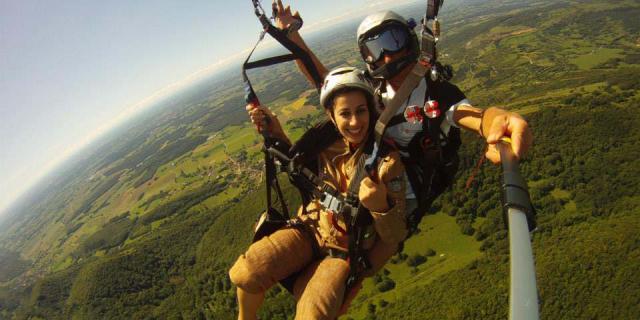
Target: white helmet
x=376, y=20
x=344, y=77
x=383, y=32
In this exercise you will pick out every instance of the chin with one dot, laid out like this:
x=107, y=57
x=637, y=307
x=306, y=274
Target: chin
x=355, y=140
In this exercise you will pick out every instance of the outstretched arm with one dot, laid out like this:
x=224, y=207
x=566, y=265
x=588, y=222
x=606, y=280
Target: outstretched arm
x=494, y=123
x=284, y=19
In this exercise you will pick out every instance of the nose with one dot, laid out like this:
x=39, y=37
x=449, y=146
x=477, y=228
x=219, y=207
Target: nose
x=353, y=121
x=388, y=57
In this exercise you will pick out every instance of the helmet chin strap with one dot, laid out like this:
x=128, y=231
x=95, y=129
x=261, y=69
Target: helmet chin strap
x=392, y=68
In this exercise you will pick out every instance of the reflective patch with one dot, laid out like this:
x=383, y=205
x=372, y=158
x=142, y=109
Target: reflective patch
x=431, y=109
x=413, y=114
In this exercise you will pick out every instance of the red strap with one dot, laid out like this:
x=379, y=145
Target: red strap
x=475, y=170
x=334, y=222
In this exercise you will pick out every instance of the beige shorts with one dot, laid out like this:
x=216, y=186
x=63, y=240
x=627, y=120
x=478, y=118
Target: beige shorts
x=319, y=288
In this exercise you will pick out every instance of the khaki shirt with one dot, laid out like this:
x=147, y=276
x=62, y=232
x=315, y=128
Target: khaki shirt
x=337, y=167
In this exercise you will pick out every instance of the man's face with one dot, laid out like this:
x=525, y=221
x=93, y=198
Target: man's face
x=390, y=57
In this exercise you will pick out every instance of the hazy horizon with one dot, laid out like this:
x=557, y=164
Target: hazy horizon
x=79, y=100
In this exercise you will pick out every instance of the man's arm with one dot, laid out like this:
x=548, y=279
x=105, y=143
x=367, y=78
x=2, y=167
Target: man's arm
x=494, y=123
x=284, y=19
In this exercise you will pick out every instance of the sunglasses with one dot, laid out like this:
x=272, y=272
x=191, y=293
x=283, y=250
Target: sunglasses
x=390, y=40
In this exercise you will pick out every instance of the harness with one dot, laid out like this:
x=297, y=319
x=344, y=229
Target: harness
x=433, y=159
x=356, y=216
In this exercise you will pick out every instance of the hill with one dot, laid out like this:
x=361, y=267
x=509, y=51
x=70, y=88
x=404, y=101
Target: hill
x=146, y=223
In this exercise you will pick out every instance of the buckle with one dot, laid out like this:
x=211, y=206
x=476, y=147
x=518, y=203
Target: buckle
x=336, y=253
x=331, y=203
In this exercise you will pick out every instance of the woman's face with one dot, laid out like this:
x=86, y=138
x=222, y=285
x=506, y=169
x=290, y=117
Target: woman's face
x=351, y=116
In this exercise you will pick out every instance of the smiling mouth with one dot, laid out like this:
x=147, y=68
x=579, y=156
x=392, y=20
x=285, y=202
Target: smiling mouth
x=354, y=131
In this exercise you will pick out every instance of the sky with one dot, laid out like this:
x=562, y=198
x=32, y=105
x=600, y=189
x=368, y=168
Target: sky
x=71, y=70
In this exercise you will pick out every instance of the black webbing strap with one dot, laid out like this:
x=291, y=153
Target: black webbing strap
x=271, y=175
x=313, y=183
x=433, y=6
x=358, y=260
x=298, y=52
x=269, y=61
x=252, y=99
x=281, y=36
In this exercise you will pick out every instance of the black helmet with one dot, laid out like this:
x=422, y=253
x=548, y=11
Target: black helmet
x=386, y=32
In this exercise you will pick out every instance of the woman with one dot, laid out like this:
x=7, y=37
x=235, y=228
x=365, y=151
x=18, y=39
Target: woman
x=317, y=250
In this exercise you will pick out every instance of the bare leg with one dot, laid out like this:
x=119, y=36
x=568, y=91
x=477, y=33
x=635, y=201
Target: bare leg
x=248, y=304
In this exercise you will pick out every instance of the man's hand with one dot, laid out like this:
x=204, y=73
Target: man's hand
x=498, y=123
x=373, y=196
x=284, y=18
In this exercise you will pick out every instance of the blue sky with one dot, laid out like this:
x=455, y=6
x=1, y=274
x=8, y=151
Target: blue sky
x=70, y=70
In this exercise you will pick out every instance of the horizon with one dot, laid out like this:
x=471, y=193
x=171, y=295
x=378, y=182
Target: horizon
x=21, y=179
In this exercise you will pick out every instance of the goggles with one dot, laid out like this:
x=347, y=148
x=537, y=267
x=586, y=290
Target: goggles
x=390, y=40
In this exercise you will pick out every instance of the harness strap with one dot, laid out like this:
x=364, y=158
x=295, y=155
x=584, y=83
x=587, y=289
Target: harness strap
x=270, y=61
x=281, y=36
x=357, y=259
x=433, y=6
x=392, y=105
x=428, y=39
x=251, y=98
x=330, y=198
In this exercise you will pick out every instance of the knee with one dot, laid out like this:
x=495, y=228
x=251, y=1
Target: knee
x=248, y=277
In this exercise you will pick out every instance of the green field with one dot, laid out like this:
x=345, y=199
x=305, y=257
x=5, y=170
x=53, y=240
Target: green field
x=453, y=251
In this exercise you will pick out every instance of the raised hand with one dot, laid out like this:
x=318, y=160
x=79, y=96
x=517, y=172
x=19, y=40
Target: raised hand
x=284, y=17
x=373, y=196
